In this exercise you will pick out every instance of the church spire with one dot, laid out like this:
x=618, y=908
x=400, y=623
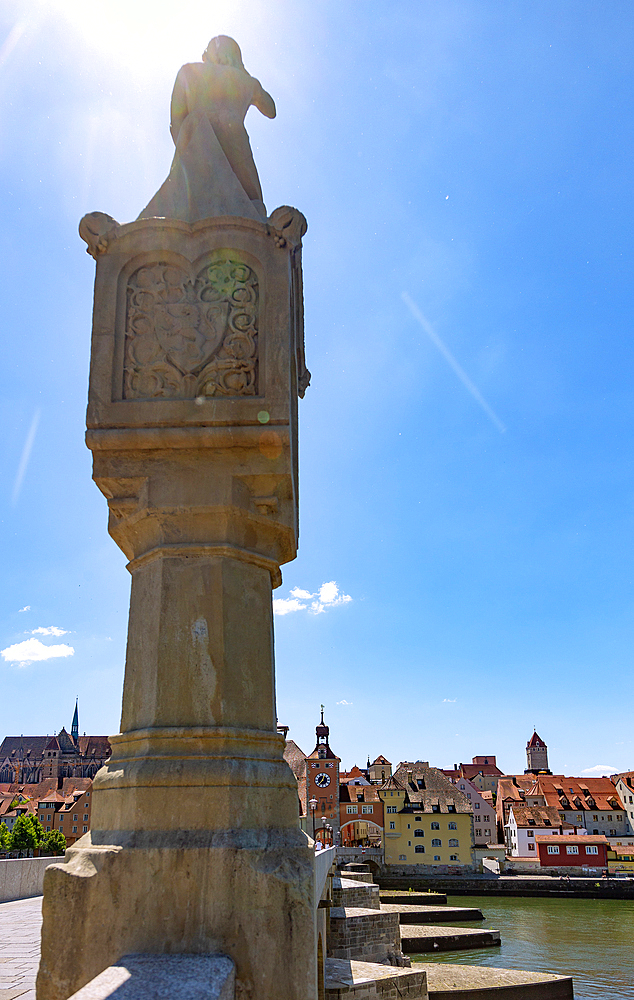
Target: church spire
x=74, y=729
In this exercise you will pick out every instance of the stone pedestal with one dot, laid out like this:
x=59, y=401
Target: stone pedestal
x=197, y=359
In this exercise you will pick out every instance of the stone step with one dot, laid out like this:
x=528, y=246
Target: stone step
x=364, y=935
x=349, y=892
x=367, y=981
x=477, y=982
x=358, y=876
x=432, y=914
x=419, y=939
x=415, y=898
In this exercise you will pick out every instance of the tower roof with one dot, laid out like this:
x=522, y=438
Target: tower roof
x=535, y=741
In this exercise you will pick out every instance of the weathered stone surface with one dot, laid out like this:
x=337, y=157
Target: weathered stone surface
x=473, y=982
x=356, y=980
x=197, y=363
x=413, y=898
x=428, y=938
x=432, y=914
x=365, y=935
x=177, y=977
x=349, y=892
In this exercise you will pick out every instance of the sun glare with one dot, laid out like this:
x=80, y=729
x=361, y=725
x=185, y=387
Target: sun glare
x=145, y=36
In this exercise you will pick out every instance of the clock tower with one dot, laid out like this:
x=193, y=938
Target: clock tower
x=322, y=787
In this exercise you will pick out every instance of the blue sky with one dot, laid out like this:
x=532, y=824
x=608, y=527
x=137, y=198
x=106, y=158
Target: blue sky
x=466, y=475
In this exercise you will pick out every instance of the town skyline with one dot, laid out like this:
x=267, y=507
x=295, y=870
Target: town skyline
x=464, y=570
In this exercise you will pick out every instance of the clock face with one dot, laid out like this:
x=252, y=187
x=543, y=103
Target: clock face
x=322, y=779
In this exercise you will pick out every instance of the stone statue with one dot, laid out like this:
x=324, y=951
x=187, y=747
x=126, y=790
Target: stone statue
x=213, y=172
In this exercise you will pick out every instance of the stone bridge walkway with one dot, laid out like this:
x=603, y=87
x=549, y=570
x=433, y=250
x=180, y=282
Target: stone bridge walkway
x=20, y=927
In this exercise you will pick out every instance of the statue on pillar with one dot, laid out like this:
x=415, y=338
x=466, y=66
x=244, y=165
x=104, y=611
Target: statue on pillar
x=213, y=171
x=197, y=361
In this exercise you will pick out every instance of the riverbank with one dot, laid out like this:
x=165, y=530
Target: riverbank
x=514, y=885
x=588, y=939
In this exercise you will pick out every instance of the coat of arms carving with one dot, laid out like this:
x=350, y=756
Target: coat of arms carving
x=191, y=336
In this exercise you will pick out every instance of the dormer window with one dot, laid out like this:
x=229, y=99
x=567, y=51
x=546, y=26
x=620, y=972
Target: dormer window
x=435, y=808
x=451, y=808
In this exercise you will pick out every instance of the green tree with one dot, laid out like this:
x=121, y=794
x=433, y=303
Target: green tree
x=23, y=836
x=53, y=842
x=37, y=826
x=4, y=837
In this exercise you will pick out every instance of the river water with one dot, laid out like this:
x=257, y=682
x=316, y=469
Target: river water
x=591, y=940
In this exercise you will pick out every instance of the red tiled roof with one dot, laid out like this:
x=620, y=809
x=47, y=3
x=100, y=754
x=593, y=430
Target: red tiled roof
x=535, y=816
x=572, y=838
x=381, y=760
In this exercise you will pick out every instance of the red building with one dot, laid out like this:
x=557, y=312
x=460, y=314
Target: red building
x=570, y=850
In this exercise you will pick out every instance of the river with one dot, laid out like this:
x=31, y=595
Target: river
x=591, y=940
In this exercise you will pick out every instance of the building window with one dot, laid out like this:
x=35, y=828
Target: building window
x=595, y=818
x=417, y=818
x=452, y=826
x=553, y=849
x=85, y=829
x=477, y=805
x=74, y=829
x=402, y=857
x=436, y=857
x=531, y=847
x=409, y=843
x=74, y=819
x=592, y=849
x=435, y=808
x=419, y=833
x=367, y=809
x=419, y=849
x=436, y=842
x=85, y=816
x=572, y=849
x=453, y=857
x=435, y=826
x=392, y=825
x=351, y=809
x=530, y=833
x=453, y=842
x=610, y=817
x=47, y=829
x=392, y=809
x=478, y=833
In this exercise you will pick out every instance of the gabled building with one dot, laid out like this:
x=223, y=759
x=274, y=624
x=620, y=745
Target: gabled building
x=484, y=825
x=524, y=823
x=427, y=820
x=379, y=770
x=482, y=771
x=624, y=787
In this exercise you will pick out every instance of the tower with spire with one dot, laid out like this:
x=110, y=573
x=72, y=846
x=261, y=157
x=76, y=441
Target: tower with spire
x=322, y=784
x=536, y=756
x=74, y=729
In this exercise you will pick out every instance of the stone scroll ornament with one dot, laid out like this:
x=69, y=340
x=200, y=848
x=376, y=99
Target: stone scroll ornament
x=186, y=336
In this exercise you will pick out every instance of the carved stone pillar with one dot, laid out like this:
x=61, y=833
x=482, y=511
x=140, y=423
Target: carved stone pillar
x=197, y=360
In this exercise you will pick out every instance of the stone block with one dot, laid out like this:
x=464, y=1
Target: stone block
x=174, y=977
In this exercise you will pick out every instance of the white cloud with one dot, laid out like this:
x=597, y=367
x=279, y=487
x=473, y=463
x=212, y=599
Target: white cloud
x=32, y=650
x=27, y=607
x=285, y=605
x=53, y=630
x=328, y=596
x=344, y=702
x=450, y=701
x=599, y=770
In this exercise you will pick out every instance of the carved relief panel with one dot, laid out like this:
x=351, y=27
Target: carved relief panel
x=189, y=336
